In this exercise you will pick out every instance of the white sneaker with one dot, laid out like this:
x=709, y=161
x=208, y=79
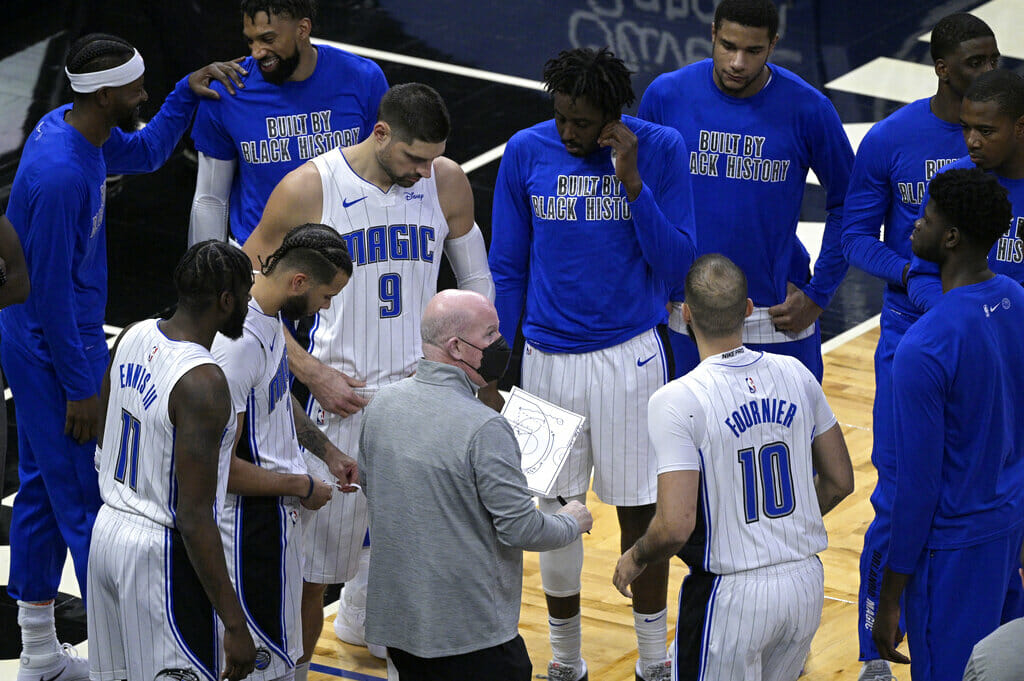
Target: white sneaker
x=567, y=672
x=876, y=670
x=659, y=671
x=350, y=624
x=64, y=665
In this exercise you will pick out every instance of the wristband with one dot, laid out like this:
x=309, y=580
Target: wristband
x=310, y=492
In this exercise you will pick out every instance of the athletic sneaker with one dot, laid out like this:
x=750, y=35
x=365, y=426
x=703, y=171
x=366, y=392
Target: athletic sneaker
x=567, y=672
x=659, y=671
x=64, y=665
x=876, y=670
x=350, y=627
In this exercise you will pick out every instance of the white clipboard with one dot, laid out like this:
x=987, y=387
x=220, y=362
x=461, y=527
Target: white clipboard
x=545, y=433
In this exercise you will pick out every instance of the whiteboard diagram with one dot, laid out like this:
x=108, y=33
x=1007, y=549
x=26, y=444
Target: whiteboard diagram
x=545, y=433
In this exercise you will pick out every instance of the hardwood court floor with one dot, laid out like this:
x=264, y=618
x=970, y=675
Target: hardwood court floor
x=609, y=644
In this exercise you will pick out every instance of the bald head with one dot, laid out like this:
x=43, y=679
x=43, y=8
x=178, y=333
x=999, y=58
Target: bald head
x=450, y=313
x=716, y=293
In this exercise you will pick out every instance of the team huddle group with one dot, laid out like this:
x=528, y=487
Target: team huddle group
x=650, y=266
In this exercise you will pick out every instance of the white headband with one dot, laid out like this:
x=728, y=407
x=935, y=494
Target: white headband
x=115, y=77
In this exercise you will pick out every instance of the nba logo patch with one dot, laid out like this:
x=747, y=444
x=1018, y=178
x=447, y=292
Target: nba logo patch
x=294, y=515
x=152, y=353
x=750, y=385
x=529, y=350
x=321, y=416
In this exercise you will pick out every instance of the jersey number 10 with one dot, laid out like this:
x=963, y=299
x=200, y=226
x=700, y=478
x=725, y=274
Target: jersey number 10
x=127, y=465
x=771, y=468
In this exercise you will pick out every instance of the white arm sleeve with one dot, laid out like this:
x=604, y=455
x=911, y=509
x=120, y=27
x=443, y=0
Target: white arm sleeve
x=468, y=257
x=209, y=218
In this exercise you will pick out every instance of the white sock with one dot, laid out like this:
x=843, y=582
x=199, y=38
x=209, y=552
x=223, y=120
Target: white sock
x=38, y=632
x=565, y=639
x=301, y=671
x=651, y=632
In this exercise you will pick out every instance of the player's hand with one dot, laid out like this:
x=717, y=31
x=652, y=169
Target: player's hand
x=626, y=570
x=343, y=467
x=624, y=143
x=886, y=632
x=796, y=312
x=239, y=653
x=82, y=421
x=322, y=492
x=334, y=391
x=579, y=513
x=227, y=72
x=490, y=396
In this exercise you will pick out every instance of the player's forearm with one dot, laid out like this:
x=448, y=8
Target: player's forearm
x=309, y=436
x=148, y=149
x=829, y=493
x=202, y=541
x=830, y=268
x=874, y=257
x=249, y=480
x=662, y=541
x=305, y=367
x=668, y=247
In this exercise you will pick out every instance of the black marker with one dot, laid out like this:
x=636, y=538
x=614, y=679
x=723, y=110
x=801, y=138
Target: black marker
x=563, y=502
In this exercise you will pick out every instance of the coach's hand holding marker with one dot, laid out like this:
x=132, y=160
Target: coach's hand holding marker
x=579, y=512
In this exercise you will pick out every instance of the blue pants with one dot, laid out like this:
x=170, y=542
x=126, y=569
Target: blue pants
x=58, y=494
x=954, y=599
x=883, y=457
x=808, y=351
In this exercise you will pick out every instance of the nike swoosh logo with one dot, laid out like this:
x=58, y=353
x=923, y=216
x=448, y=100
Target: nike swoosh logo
x=550, y=623
x=641, y=362
x=654, y=619
x=346, y=203
x=52, y=678
x=272, y=344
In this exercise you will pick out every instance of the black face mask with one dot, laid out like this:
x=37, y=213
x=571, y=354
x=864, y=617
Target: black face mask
x=494, y=361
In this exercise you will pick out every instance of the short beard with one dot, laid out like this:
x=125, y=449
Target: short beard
x=285, y=68
x=295, y=308
x=130, y=122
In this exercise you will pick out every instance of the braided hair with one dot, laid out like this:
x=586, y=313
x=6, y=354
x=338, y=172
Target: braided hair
x=208, y=269
x=597, y=76
x=294, y=9
x=974, y=202
x=314, y=249
x=98, y=52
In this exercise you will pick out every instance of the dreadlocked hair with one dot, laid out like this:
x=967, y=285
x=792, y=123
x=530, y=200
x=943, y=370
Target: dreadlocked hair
x=208, y=269
x=974, y=202
x=597, y=76
x=98, y=52
x=314, y=249
x=293, y=9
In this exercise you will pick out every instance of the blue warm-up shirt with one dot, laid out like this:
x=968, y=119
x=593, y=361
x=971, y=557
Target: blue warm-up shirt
x=273, y=129
x=748, y=159
x=959, y=423
x=57, y=207
x=895, y=162
x=589, y=268
x=1006, y=257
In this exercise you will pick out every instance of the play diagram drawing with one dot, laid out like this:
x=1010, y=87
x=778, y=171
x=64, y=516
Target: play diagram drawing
x=545, y=433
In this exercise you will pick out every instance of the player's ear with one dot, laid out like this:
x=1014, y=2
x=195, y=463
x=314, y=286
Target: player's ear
x=687, y=314
x=941, y=69
x=750, y=308
x=951, y=239
x=305, y=28
x=298, y=283
x=381, y=131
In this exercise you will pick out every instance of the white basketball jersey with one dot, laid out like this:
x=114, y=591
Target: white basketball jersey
x=395, y=238
x=136, y=463
x=256, y=367
x=748, y=418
